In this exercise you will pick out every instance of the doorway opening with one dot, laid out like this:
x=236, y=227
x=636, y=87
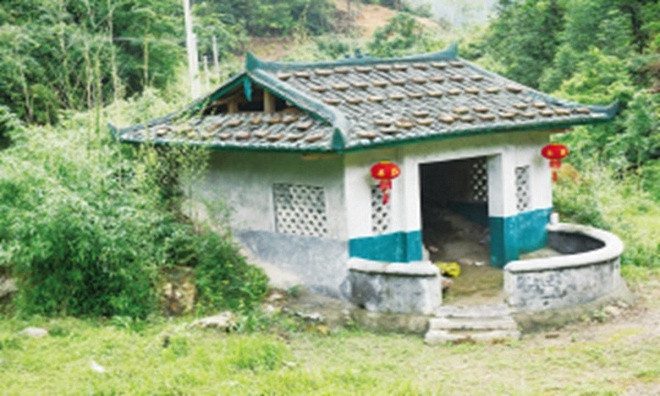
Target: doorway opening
x=454, y=210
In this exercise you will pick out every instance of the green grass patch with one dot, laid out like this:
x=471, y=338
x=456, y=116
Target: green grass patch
x=170, y=358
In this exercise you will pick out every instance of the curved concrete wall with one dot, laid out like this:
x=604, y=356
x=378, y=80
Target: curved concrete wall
x=589, y=270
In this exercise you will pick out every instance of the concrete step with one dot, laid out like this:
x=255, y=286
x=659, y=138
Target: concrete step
x=476, y=311
x=483, y=323
x=441, y=336
x=499, y=323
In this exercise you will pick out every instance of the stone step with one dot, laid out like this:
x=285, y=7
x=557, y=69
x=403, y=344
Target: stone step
x=482, y=323
x=477, y=311
x=499, y=323
x=441, y=336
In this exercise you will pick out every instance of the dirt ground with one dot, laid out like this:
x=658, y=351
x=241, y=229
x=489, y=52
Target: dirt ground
x=369, y=17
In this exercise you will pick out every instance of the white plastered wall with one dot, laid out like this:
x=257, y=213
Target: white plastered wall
x=244, y=181
x=505, y=151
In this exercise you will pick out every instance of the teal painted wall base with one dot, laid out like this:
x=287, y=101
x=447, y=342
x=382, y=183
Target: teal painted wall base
x=513, y=235
x=509, y=237
x=398, y=247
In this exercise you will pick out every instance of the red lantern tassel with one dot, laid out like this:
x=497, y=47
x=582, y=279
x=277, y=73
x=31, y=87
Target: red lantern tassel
x=555, y=164
x=385, y=186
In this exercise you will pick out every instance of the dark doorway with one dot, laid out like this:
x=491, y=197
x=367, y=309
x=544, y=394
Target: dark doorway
x=454, y=205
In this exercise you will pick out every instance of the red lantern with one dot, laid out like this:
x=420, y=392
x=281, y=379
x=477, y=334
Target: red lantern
x=385, y=172
x=554, y=152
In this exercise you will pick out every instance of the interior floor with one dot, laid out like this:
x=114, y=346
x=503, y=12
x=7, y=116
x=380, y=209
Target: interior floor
x=466, y=243
x=477, y=285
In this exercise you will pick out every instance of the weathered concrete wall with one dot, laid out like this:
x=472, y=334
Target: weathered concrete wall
x=570, y=280
x=393, y=288
x=244, y=182
x=289, y=260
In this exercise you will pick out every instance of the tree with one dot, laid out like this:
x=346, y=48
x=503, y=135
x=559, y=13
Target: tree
x=524, y=38
x=58, y=54
x=401, y=35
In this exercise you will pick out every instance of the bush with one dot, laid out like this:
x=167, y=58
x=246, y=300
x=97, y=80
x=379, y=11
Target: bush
x=86, y=228
x=599, y=198
x=9, y=124
x=224, y=278
x=79, y=235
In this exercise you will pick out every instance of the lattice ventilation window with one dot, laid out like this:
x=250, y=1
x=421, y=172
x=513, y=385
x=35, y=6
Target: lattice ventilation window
x=380, y=213
x=300, y=210
x=479, y=177
x=522, y=188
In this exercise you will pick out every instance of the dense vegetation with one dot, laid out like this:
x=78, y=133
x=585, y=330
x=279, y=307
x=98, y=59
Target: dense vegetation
x=589, y=51
x=87, y=227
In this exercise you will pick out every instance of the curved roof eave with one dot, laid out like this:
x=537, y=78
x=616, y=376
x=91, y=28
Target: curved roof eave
x=261, y=73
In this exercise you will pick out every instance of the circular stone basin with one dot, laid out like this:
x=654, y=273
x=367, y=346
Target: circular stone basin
x=587, y=270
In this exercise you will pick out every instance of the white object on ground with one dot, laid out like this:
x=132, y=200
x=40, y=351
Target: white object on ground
x=222, y=321
x=34, y=332
x=96, y=367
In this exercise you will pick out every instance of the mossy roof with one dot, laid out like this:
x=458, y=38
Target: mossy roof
x=360, y=103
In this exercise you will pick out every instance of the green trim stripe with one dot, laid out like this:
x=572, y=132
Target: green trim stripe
x=398, y=247
x=512, y=235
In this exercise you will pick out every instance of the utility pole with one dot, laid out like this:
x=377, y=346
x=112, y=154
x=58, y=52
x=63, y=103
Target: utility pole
x=191, y=49
x=207, y=83
x=216, y=61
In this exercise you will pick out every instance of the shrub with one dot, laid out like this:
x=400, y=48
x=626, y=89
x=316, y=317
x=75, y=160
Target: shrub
x=86, y=227
x=601, y=199
x=224, y=278
x=79, y=235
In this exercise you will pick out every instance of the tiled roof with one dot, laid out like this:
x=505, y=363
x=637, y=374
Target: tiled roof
x=288, y=130
x=367, y=102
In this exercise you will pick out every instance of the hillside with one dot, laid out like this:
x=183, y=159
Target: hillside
x=359, y=26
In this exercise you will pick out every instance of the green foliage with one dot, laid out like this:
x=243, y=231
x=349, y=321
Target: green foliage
x=600, y=198
x=78, y=235
x=598, y=78
x=589, y=51
x=640, y=143
x=273, y=17
x=209, y=22
x=76, y=54
x=9, y=125
x=223, y=277
x=402, y=35
x=86, y=226
x=331, y=48
x=524, y=38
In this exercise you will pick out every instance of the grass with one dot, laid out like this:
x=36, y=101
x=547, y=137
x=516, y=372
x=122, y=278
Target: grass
x=167, y=357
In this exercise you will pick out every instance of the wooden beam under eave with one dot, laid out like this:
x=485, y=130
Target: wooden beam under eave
x=269, y=102
x=232, y=107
